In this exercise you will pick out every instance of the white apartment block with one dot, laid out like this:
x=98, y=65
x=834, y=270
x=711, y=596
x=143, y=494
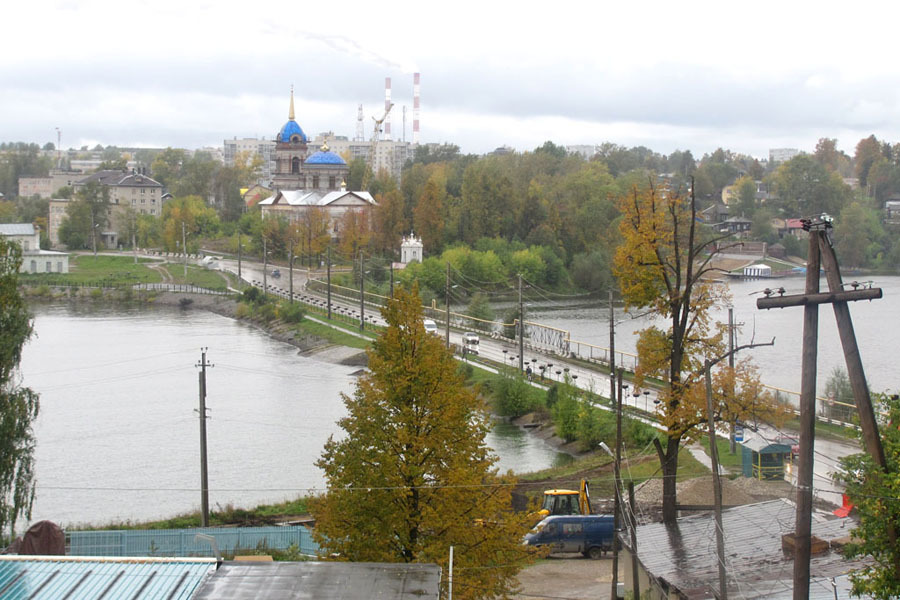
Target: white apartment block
x=263, y=148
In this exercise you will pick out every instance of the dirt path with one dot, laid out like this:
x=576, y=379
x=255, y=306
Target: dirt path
x=567, y=577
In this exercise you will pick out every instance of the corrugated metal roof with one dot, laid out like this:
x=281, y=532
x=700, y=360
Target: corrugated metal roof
x=76, y=578
x=316, y=580
x=317, y=198
x=684, y=554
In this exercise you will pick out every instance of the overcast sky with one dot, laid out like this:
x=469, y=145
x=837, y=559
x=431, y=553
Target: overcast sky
x=668, y=75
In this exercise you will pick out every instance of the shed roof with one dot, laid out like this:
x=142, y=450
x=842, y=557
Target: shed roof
x=684, y=554
x=317, y=580
x=79, y=578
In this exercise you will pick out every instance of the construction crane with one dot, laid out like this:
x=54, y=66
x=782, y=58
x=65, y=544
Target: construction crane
x=373, y=143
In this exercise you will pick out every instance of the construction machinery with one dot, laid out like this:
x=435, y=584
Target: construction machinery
x=567, y=502
x=373, y=144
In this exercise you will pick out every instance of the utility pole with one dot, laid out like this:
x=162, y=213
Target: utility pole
x=732, y=444
x=612, y=350
x=204, y=479
x=392, y=279
x=617, y=503
x=820, y=247
x=239, y=253
x=521, y=329
x=328, y=271
x=184, y=249
x=717, y=484
x=93, y=231
x=635, y=583
x=265, y=268
x=447, y=304
x=362, y=293
x=134, y=238
x=291, y=271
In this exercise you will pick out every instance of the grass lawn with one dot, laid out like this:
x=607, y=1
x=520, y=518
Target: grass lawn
x=88, y=269
x=732, y=462
x=199, y=276
x=333, y=335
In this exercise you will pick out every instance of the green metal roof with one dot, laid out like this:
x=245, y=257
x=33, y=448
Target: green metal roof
x=77, y=578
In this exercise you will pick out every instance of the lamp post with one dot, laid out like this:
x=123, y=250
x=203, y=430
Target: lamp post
x=646, y=397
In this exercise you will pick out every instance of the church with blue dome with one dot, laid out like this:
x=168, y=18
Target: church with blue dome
x=297, y=169
x=306, y=182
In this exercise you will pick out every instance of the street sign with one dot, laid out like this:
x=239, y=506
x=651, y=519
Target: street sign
x=738, y=433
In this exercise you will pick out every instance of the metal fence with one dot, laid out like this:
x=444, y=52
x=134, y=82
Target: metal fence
x=182, y=542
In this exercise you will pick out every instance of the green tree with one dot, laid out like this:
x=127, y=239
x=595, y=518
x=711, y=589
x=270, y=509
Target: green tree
x=413, y=476
x=874, y=493
x=18, y=405
x=745, y=191
x=804, y=187
x=428, y=215
x=858, y=233
x=85, y=217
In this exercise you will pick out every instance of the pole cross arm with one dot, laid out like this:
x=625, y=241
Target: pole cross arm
x=823, y=298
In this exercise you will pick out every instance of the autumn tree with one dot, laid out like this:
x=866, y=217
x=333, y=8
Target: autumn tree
x=412, y=476
x=85, y=216
x=664, y=263
x=389, y=223
x=868, y=151
x=427, y=219
x=18, y=405
x=874, y=494
x=196, y=218
x=354, y=232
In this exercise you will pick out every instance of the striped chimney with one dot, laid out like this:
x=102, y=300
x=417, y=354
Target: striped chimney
x=415, y=139
x=387, y=107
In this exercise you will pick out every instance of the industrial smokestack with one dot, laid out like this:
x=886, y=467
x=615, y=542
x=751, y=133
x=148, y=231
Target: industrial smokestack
x=415, y=139
x=387, y=107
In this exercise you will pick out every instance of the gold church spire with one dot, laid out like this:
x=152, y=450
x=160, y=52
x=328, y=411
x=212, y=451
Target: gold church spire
x=291, y=112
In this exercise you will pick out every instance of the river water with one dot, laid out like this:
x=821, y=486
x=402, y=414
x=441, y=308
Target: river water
x=874, y=323
x=118, y=435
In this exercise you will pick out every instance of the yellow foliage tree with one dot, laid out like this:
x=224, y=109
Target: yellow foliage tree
x=412, y=475
x=664, y=263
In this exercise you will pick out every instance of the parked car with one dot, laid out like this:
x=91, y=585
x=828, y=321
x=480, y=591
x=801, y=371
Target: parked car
x=592, y=535
x=430, y=326
x=276, y=273
x=470, y=342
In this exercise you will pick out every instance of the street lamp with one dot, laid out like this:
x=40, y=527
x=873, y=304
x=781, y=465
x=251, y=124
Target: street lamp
x=646, y=397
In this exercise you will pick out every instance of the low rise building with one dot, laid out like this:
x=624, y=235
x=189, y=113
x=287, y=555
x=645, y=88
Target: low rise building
x=34, y=260
x=294, y=204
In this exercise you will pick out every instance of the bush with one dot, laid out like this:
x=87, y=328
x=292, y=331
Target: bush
x=253, y=296
x=565, y=413
x=640, y=433
x=513, y=396
x=266, y=312
x=291, y=313
x=243, y=311
x=594, y=425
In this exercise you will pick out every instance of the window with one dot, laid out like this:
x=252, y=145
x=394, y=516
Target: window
x=59, y=266
x=142, y=191
x=315, y=182
x=331, y=182
x=49, y=266
x=33, y=267
x=295, y=166
x=26, y=248
x=571, y=528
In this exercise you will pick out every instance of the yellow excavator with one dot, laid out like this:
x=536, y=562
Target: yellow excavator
x=567, y=502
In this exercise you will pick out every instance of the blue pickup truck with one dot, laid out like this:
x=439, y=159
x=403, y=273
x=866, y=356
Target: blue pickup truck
x=591, y=535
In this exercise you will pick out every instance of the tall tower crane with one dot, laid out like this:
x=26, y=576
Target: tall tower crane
x=373, y=143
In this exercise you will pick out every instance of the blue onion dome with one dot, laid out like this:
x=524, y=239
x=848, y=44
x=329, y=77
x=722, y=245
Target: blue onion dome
x=325, y=157
x=291, y=132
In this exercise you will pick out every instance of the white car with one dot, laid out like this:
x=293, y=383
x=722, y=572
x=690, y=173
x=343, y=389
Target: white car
x=430, y=326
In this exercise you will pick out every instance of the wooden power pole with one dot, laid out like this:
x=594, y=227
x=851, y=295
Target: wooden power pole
x=822, y=252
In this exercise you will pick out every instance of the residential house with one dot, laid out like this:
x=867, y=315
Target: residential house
x=34, y=260
x=127, y=189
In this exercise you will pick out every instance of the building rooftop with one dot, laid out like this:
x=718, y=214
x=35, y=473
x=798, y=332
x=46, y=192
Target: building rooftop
x=316, y=198
x=16, y=229
x=121, y=178
x=314, y=580
x=78, y=578
x=683, y=555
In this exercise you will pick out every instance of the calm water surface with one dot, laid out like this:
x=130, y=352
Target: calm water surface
x=118, y=435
